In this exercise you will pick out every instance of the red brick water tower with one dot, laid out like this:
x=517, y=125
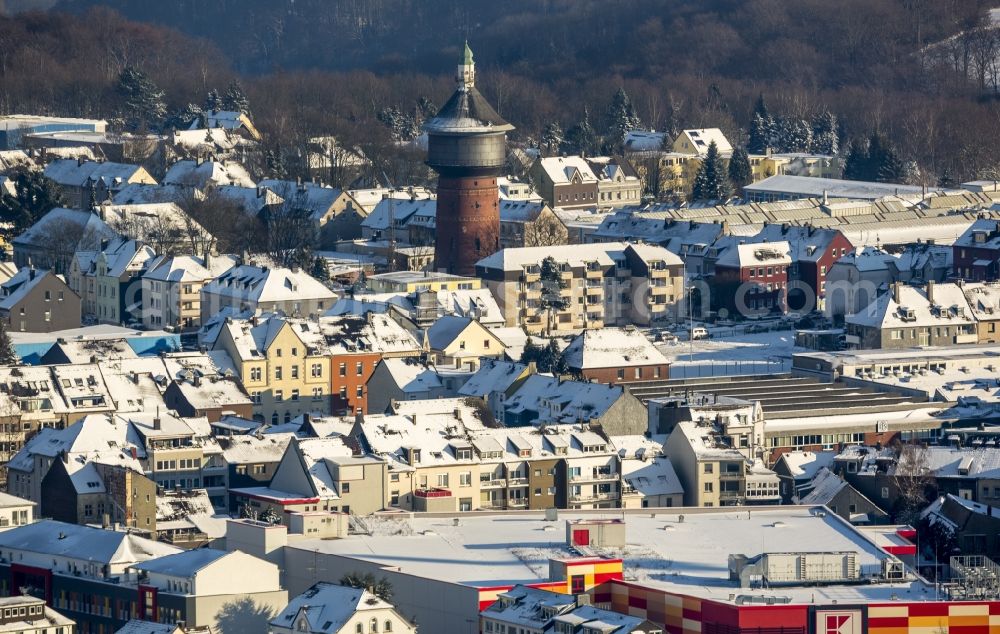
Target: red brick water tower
x=466, y=146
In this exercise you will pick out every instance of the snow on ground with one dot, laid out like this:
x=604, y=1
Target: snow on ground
x=758, y=353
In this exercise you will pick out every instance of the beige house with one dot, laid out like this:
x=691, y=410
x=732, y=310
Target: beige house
x=610, y=284
x=529, y=223
x=171, y=289
x=284, y=376
x=38, y=301
x=247, y=287
x=461, y=342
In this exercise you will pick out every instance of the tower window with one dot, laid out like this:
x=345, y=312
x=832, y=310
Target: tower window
x=478, y=247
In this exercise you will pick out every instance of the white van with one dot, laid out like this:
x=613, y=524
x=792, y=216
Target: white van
x=699, y=333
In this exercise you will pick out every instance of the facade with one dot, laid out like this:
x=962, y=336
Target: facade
x=461, y=342
x=326, y=608
x=696, y=141
x=613, y=284
x=107, y=279
x=246, y=287
x=752, y=279
x=530, y=223
x=908, y=316
x=615, y=356
x=38, y=301
x=29, y=615
x=466, y=147
x=171, y=289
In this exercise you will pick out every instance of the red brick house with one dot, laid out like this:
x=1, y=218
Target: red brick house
x=977, y=252
x=813, y=251
x=751, y=279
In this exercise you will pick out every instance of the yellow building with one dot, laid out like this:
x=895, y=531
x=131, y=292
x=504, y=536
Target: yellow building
x=461, y=342
x=284, y=376
x=413, y=281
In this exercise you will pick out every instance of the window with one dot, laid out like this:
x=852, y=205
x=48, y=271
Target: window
x=279, y=395
x=343, y=369
x=442, y=480
x=360, y=391
x=277, y=373
x=621, y=373
x=387, y=627
x=708, y=487
x=317, y=370
x=295, y=371
x=295, y=395
x=295, y=352
x=277, y=352
x=255, y=374
x=709, y=467
x=359, y=368
x=465, y=479
x=345, y=487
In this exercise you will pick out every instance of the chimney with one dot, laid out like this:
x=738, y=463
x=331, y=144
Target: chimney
x=930, y=291
x=80, y=161
x=826, y=197
x=895, y=292
x=157, y=423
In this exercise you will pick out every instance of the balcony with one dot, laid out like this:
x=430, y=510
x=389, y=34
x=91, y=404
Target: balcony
x=517, y=482
x=492, y=484
x=967, y=338
x=592, y=497
x=432, y=493
x=517, y=503
x=595, y=273
x=594, y=477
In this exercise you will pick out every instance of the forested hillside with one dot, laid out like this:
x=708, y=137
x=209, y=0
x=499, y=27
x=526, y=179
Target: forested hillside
x=355, y=67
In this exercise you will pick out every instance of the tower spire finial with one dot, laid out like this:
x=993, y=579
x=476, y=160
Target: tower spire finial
x=466, y=76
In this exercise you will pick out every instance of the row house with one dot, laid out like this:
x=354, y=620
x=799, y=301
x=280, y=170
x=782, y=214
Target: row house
x=258, y=288
x=576, y=182
x=908, y=316
x=293, y=367
x=38, y=301
x=856, y=278
x=718, y=450
x=171, y=289
x=614, y=283
x=107, y=279
x=751, y=279
x=84, y=183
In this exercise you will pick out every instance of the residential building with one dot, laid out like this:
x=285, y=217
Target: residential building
x=53, y=240
x=171, y=288
x=38, y=301
x=461, y=342
x=29, y=615
x=108, y=280
x=546, y=400
x=416, y=281
x=408, y=379
x=280, y=365
x=530, y=223
x=908, y=316
x=86, y=184
x=616, y=356
x=15, y=511
x=718, y=450
x=984, y=302
x=971, y=523
x=575, y=182
x=335, y=214
x=229, y=120
x=648, y=479
x=797, y=470
x=248, y=287
x=696, y=141
x=856, y=278
x=977, y=252
x=198, y=174
x=833, y=492
x=751, y=279
x=210, y=397
x=612, y=284
x=494, y=382
x=90, y=492
x=327, y=608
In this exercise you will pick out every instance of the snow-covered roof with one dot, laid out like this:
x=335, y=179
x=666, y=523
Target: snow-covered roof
x=652, y=476
x=312, y=197
x=492, y=376
x=699, y=140
x=401, y=210
x=201, y=174
x=645, y=140
x=20, y=285
x=564, y=169
x=825, y=487
x=611, y=348
x=61, y=222
x=947, y=307
x=147, y=193
x=984, y=233
x=70, y=172
x=327, y=608
x=259, y=285
x=558, y=401
x=515, y=259
x=755, y=254
x=187, y=268
x=813, y=187
x=49, y=537
x=805, y=464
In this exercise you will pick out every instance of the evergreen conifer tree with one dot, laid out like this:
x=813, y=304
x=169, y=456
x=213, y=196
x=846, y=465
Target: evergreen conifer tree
x=622, y=117
x=712, y=182
x=7, y=354
x=581, y=138
x=761, y=129
x=213, y=101
x=235, y=99
x=552, y=137
x=740, y=171
x=825, y=137
x=320, y=270
x=34, y=196
x=142, y=100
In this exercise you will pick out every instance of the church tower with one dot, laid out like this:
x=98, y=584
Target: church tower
x=467, y=147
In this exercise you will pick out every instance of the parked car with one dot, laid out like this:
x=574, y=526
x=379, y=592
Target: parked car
x=700, y=333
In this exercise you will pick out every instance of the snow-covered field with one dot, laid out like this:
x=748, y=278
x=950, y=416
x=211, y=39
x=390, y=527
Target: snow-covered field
x=758, y=353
